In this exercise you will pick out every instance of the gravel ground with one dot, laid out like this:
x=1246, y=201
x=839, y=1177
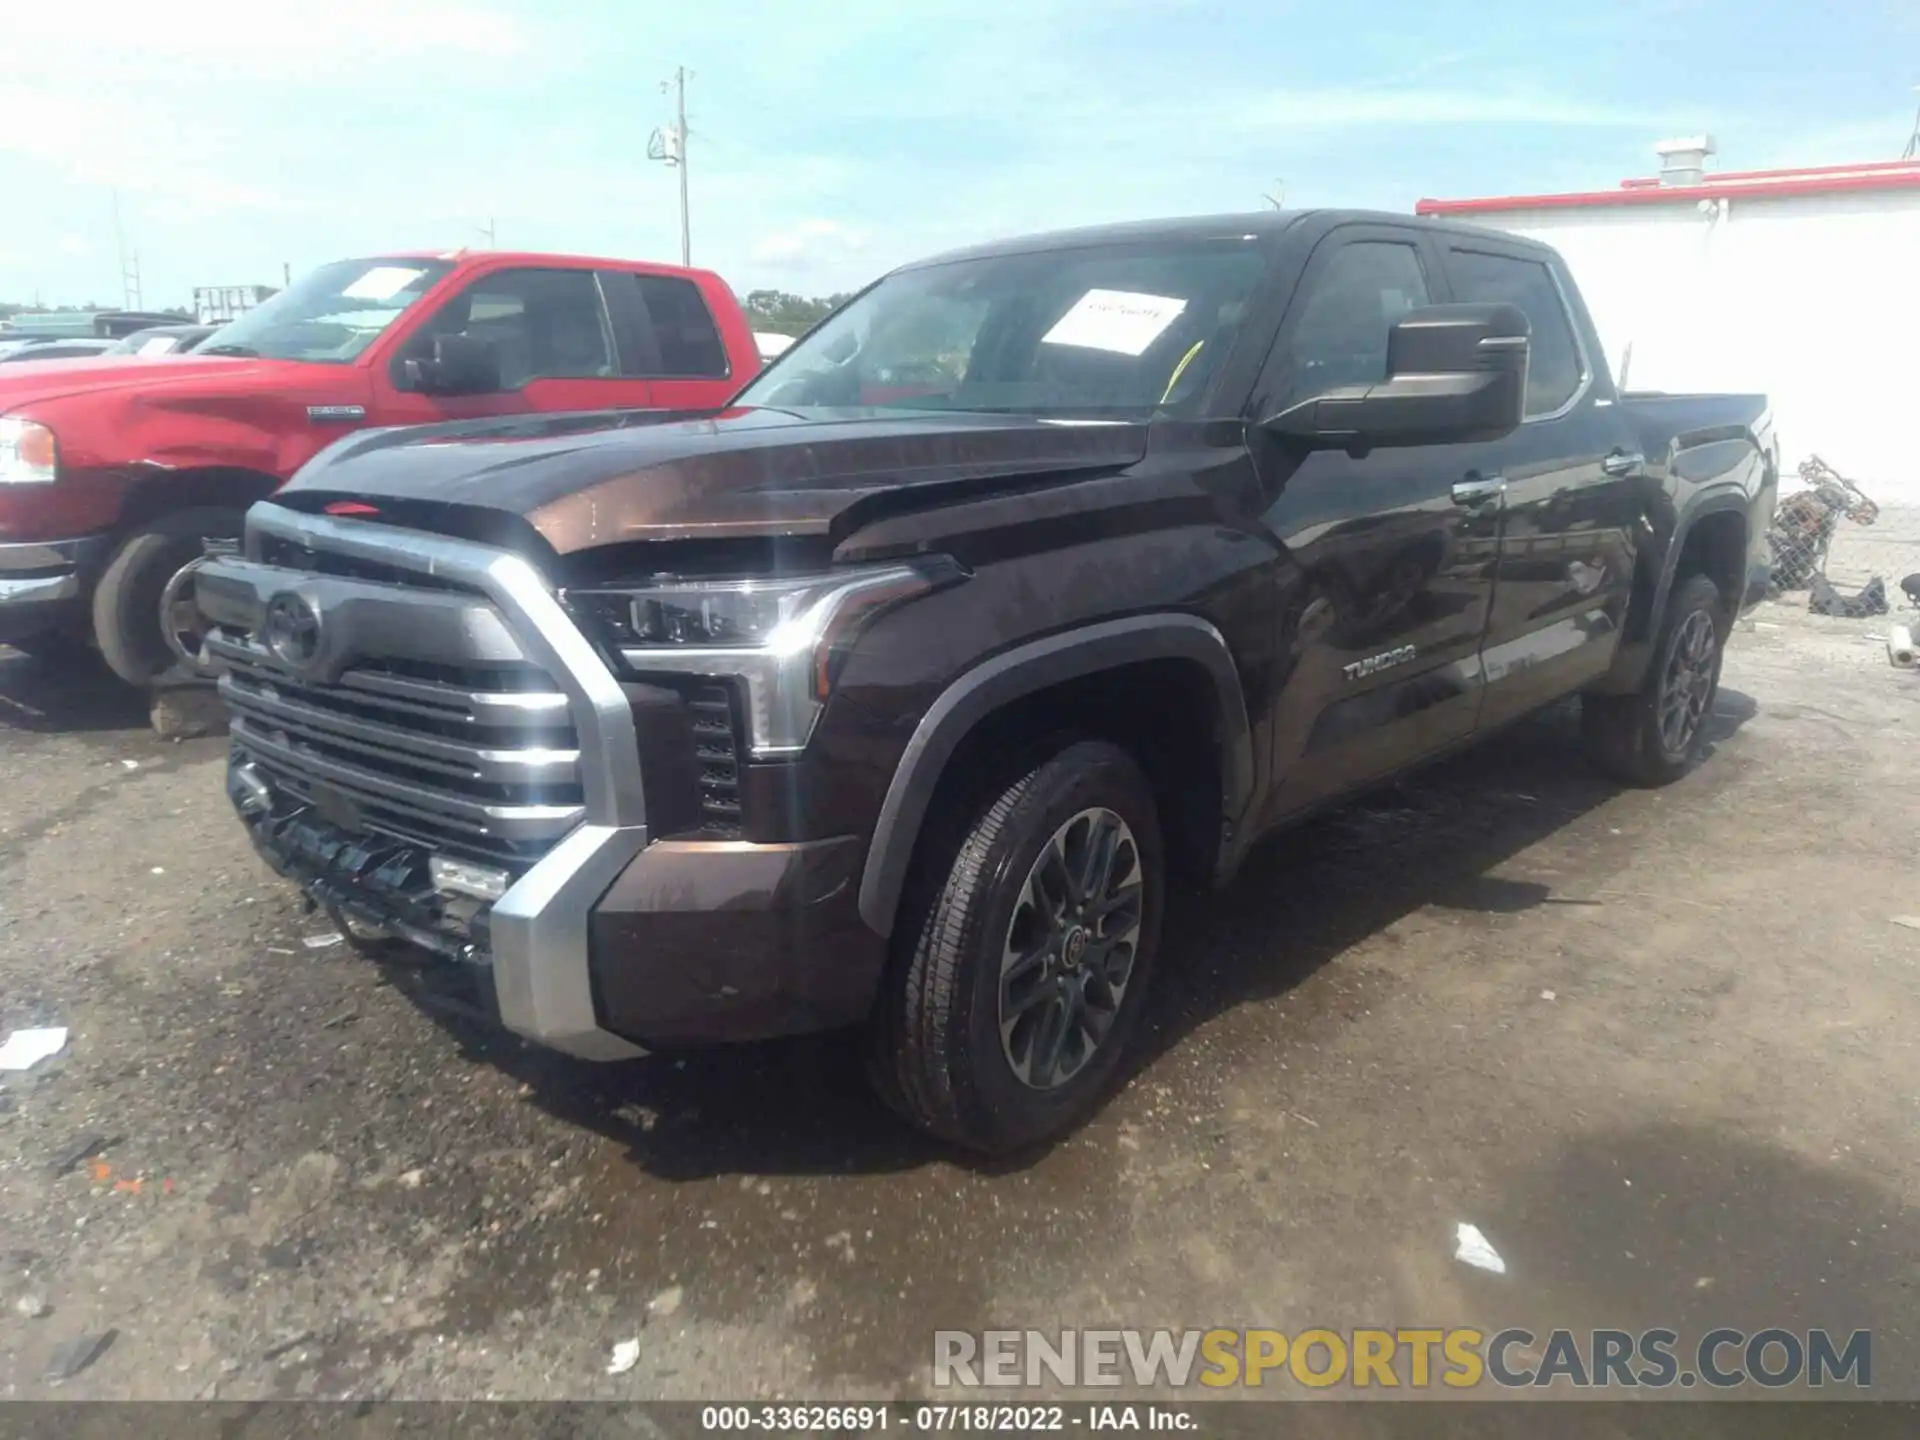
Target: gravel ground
x=1658, y=1047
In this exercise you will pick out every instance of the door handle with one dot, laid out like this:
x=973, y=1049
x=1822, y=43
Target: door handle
x=1479, y=490
x=1623, y=462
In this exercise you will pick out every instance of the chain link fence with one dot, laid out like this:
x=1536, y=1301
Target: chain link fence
x=1839, y=552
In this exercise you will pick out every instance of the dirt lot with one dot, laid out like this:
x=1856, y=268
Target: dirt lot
x=1658, y=1047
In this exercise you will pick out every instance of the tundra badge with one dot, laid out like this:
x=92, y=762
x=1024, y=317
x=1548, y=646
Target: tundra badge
x=1360, y=669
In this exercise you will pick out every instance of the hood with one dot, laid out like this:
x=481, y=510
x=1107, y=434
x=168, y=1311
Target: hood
x=30, y=382
x=585, y=481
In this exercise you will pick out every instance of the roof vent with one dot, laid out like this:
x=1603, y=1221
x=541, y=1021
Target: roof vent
x=1684, y=162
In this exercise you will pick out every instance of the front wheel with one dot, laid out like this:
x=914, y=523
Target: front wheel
x=142, y=620
x=1028, y=956
x=1654, y=736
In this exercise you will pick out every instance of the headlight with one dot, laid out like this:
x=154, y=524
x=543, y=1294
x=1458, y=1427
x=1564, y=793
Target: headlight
x=784, y=637
x=27, y=452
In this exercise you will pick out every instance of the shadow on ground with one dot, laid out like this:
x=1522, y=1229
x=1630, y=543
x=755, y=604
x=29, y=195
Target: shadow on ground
x=75, y=694
x=799, y=1106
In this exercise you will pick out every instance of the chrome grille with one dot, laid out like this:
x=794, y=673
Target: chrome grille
x=478, y=760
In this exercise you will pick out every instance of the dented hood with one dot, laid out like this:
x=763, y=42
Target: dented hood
x=585, y=481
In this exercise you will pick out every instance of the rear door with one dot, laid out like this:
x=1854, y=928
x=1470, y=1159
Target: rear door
x=1385, y=601
x=669, y=340
x=1573, y=490
x=551, y=329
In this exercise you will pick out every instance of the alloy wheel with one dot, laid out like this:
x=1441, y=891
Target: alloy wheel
x=1070, y=948
x=1687, y=687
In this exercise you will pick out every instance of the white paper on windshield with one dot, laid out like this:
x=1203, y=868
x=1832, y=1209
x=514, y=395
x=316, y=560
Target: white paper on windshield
x=1122, y=321
x=382, y=282
x=159, y=345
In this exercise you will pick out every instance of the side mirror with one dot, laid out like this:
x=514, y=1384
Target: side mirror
x=461, y=365
x=1455, y=374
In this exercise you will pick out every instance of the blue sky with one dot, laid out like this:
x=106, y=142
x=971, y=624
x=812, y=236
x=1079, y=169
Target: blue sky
x=832, y=140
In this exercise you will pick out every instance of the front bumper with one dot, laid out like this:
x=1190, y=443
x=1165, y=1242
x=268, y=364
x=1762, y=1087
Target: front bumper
x=44, y=584
x=606, y=940
x=685, y=942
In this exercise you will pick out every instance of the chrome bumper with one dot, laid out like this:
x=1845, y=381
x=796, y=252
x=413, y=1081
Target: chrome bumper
x=44, y=582
x=537, y=932
x=39, y=590
x=46, y=570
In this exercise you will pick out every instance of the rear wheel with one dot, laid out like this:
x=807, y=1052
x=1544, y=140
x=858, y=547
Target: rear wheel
x=1027, y=956
x=136, y=605
x=1655, y=735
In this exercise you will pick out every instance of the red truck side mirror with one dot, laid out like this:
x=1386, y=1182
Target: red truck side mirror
x=461, y=365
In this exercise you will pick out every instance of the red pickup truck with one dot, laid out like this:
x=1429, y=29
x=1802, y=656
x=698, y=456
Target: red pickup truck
x=113, y=472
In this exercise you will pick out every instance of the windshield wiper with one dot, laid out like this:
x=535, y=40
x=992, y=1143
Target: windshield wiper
x=227, y=350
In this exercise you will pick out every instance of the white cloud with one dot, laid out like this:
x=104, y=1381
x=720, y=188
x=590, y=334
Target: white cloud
x=1354, y=108
x=810, y=243
x=1803, y=144
x=235, y=38
x=142, y=148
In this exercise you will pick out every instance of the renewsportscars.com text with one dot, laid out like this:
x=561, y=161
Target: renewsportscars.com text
x=1380, y=1359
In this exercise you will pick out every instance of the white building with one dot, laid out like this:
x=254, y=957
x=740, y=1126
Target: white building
x=1794, y=282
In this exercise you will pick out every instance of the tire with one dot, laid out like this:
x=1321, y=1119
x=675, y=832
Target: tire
x=1623, y=734
x=941, y=1058
x=126, y=602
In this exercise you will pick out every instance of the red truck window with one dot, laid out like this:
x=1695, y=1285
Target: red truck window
x=543, y=324
x=680, y=340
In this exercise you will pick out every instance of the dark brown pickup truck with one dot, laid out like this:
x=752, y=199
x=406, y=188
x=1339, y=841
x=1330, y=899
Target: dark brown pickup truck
x=891, y=696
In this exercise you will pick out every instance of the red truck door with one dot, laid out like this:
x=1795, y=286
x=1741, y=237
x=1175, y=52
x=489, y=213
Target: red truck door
x=670, y=337
x=553, y=334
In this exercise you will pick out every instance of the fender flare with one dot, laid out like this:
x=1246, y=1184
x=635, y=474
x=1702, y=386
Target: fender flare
x=1629, y=667
x=1070, y=655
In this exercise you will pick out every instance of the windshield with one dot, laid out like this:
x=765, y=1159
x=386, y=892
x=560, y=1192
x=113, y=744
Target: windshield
x=1107, y=330
x=331, y=314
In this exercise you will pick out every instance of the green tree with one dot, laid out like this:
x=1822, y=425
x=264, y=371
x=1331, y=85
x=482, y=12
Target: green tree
x=780, y=313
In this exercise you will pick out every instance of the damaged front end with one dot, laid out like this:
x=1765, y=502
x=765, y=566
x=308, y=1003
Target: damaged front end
x=425, y=743
x=372, y=887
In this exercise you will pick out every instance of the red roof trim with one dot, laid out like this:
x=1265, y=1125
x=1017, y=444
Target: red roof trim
x=1770, y=184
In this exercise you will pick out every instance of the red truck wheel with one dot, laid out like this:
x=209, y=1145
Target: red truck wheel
x=127, y=619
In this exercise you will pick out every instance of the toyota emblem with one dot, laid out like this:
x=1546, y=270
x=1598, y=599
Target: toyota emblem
x=292, y=630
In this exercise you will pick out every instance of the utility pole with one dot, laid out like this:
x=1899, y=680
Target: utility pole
x=487, y=230
x=669, y=146
x=1913, y=141
x=129, y=264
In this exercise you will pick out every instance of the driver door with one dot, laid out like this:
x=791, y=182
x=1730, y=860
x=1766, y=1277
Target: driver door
x=554, y=339
x=1387, y=568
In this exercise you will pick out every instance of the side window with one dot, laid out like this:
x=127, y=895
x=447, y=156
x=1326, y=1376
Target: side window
x=1554, y=371
x=683, y=329
x=543, y=324
x=1341, y=336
